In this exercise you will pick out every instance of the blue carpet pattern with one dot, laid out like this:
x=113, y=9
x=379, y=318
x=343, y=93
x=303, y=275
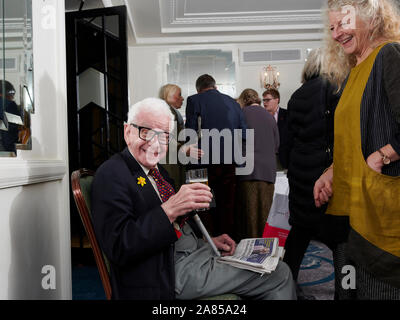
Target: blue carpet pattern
x=316, y=277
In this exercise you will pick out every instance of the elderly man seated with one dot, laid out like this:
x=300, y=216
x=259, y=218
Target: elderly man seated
x=137, y=215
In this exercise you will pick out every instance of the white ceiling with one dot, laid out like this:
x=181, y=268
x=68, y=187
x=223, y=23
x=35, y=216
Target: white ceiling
x=205, y=21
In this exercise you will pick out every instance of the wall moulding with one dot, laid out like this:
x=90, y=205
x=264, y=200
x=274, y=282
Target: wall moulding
x=15, y=172
x=179, y=13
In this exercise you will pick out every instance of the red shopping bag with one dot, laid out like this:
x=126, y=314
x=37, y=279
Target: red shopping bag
x=277, y=224
x=272, y=232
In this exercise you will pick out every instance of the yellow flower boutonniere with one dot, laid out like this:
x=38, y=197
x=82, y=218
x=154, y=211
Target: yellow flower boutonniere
x=141, y=181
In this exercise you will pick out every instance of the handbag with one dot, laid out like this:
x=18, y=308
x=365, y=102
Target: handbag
x=277, y=224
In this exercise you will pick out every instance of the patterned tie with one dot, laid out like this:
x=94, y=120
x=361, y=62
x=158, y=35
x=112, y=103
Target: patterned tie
x=165, y=190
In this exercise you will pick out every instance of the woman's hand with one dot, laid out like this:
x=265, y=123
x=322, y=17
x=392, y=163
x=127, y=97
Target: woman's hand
x=374, y=161
x=225, y=244
x=323, y=188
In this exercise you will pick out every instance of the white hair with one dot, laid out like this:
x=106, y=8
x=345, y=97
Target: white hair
x=313, y=64
x=155, y=106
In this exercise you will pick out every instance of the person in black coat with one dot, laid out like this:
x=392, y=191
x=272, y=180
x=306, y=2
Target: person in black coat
x=309, y=153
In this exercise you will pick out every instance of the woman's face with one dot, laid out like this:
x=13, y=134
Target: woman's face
x=350, y=32
x=175, y=99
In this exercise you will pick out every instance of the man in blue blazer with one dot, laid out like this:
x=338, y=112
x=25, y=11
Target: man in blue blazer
x=137, y=218
x=215, y=110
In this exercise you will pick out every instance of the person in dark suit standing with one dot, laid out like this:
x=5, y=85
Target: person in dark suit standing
x=216, y=111
x=137, y=217
x=271, y=100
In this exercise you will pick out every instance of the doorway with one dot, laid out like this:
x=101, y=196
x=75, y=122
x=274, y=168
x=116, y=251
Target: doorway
x=97, y=89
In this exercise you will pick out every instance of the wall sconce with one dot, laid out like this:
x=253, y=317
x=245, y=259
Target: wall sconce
x=270, y=78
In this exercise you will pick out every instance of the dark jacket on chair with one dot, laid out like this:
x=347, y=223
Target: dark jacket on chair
x=133, y=231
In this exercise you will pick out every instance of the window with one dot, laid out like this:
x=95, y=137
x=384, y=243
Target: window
x=186, y=66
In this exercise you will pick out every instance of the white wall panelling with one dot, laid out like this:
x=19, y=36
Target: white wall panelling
x=16, y=172
x=34, y=186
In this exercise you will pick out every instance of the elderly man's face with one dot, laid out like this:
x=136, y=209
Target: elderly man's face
x=147, y=152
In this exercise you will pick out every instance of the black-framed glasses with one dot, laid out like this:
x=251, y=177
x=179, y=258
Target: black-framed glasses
x=148, y=134
x=267, y=100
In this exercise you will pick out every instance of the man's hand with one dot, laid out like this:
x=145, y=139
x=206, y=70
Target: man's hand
x=190, y=197
x=225, y=244
x=323, y=188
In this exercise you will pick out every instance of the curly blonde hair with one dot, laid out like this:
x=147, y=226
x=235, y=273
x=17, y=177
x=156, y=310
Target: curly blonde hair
x=384, y=18
x=248, y=97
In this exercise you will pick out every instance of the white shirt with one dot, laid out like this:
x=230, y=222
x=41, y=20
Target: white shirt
x=276, y=114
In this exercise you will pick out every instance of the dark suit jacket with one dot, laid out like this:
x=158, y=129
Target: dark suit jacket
x=218, y=111
x=133, y=230
x=283, y=136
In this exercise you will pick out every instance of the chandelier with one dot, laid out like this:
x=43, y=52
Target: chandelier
x=270, y=77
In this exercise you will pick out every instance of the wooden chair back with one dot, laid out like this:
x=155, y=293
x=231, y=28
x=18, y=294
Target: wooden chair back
x=81, y=184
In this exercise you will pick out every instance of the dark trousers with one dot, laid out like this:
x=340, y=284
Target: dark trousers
x=296, y=245
x=222, y=181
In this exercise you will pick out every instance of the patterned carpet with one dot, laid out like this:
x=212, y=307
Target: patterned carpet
x=86, y=284
x=316, y=276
